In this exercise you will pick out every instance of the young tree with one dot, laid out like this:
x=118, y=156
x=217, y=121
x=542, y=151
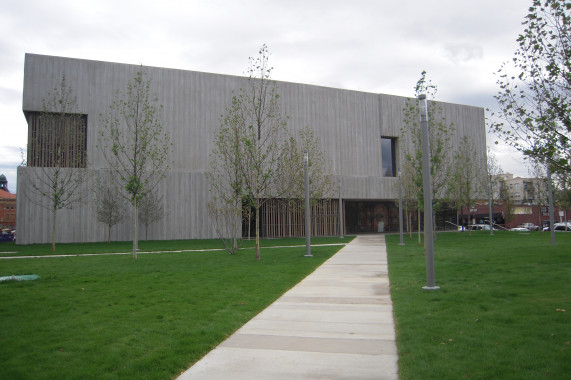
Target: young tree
x=491, y=185
x=466, y=176
x=109, y=205
x=150, y=210
x=537, y=193
x=225, y=178
x=535, y=114
x=57, y=165
x=506, y=198
x=440, y=146
x=410, y=195
x=292, y=173
x=134, y=142
x=454, y=193
x=261, y=127
x=292, y=168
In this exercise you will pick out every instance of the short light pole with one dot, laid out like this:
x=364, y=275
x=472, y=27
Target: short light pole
x=307, y=211
x=400, y=210
x=428, y=238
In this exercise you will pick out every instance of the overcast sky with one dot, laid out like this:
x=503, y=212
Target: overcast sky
x=374, y=46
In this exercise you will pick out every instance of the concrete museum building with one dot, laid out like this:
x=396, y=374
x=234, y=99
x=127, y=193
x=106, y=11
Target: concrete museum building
x=359, y=133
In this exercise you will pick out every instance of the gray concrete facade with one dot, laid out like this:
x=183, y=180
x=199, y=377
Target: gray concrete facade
x=349, y=124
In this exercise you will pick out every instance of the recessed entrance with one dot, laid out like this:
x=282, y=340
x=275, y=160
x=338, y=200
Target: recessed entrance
x=371, y=217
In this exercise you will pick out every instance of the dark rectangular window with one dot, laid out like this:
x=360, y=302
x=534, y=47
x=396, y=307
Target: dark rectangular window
x=388, y=151
x=57, y=140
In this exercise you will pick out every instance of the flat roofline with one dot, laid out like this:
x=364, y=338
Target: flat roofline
x=244, y=77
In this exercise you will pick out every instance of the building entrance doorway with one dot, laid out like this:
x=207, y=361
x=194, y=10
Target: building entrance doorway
x=370, y=217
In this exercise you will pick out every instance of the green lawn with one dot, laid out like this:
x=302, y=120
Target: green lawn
x=11, y=249
x=113, y=317
x=503, y=311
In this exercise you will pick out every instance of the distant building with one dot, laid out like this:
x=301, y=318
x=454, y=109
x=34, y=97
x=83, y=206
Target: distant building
x=359, y=132
x=521, y=190
x=7, y=205
x=528, y=202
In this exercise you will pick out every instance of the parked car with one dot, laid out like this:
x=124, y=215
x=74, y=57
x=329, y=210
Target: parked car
x=565, y=226
x=476, y=227
x=6, y=235
x=529, y=226
x=519, y=229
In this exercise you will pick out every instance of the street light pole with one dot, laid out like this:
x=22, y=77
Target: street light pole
x=428, y=238
x=307, y=211
x=400, y=210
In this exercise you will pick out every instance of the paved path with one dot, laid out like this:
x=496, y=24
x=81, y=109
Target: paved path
x=335, y=324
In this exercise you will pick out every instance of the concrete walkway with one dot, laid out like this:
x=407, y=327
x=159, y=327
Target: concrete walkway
x=335, y=324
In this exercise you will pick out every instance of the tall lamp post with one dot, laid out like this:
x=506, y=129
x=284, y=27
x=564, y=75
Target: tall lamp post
x=428, y=238
x=400, y=210
x=307, y=213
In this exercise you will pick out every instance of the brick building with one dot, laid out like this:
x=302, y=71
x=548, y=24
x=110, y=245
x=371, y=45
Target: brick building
x=7, y=205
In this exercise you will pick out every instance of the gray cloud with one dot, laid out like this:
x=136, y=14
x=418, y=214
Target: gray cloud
x=367, y=45
x=462, y=52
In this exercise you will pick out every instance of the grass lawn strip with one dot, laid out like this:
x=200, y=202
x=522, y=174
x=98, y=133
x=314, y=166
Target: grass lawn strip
x=503, y=311
x=151, y=252
x=11, y=249
x=109, y=317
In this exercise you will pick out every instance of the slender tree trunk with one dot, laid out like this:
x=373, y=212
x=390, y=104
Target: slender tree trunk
x=258, y=233
x=491, y=214
x=237, y=224
x=434, y=225
x=54, y=213
x=249, y=222
x=409, y=217
x=419, y=240
x=108, y=234
x=539, y=217
x=405, y=215
x=135, y=222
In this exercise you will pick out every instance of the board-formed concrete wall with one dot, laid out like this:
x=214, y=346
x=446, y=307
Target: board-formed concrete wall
x=349, y=125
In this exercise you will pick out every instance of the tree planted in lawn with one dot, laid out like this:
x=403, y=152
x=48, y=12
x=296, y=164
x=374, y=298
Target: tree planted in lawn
x=57, y=159
x=135, y=143
x=227, y=191
x=537, y=191
x=440, y=146
x=292, y=168
x=292, y=174
x=150, y=210
x=491, y=185
x=109, y=205
x=258, y=129
x=466, y=176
